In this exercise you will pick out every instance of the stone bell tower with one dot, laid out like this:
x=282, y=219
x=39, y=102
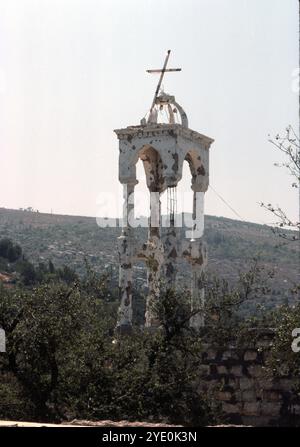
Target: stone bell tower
x=162, y=147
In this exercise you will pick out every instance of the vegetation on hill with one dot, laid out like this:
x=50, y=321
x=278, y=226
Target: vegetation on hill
x=71, y=241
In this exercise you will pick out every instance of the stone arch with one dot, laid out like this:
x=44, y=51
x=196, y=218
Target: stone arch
x=169, y=100
x=198, y=171
x=153, y=166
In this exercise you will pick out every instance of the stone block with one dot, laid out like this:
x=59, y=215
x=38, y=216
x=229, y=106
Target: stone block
x=233, y=383
x=271, y=408
x=272, y=395
x=251, y=408
x=204, y=370
x=231, y=408
x=250, y=356
x=230, y=355
x=237, y=370
x=222, y=369
x=266, y=384
x=257, y=371
x=238, y=396
x=245, y=383
x=224, y=395
x=249, y=396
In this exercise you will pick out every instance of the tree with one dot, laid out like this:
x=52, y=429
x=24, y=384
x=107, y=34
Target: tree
x=9, y=250
x=65, y=361
x=50, y=331
x=51, y=267
x=225, y=324
x=283, y=361
x=155, y=373
x=290, y=147
x=27, y=272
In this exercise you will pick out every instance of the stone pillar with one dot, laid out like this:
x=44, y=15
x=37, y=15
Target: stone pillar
x=171, y=254
x=197, y=260
x=125, y=249
x=171, y=244
x=198, y=213
x=154, y=261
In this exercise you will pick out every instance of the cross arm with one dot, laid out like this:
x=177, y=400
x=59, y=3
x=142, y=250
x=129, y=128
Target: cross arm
x=160, y=71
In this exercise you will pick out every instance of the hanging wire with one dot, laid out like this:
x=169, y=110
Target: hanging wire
x=172, y=207
x=172, y=204
x=232, y=209
x=226, y=203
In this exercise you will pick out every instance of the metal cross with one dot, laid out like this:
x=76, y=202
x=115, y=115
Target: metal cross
x=162, y=72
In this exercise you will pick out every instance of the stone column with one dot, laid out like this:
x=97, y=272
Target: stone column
x=155, y=256
x=198, y=213
x=125, y=249
x=170, y=249
x=171, y=246
x=197, y=260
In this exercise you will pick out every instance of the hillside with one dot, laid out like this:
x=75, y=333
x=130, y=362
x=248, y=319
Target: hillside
x=72, y=239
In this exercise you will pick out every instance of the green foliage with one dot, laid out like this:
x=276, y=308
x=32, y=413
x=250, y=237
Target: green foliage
x=51, y=267
x=225, y=322
x=14, y=403
x=151, y=375
x=27, y=272
x=67, y=274
x=45, y=326
x=64, y=361
x=9, y=250
x=232, y=245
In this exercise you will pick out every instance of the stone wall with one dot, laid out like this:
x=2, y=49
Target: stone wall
x=245, y=388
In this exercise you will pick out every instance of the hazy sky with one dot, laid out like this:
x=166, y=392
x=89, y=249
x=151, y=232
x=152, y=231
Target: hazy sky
x=71, y=71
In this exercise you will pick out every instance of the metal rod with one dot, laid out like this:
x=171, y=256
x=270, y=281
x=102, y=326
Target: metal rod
x=160, y=80
x=166, y=70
